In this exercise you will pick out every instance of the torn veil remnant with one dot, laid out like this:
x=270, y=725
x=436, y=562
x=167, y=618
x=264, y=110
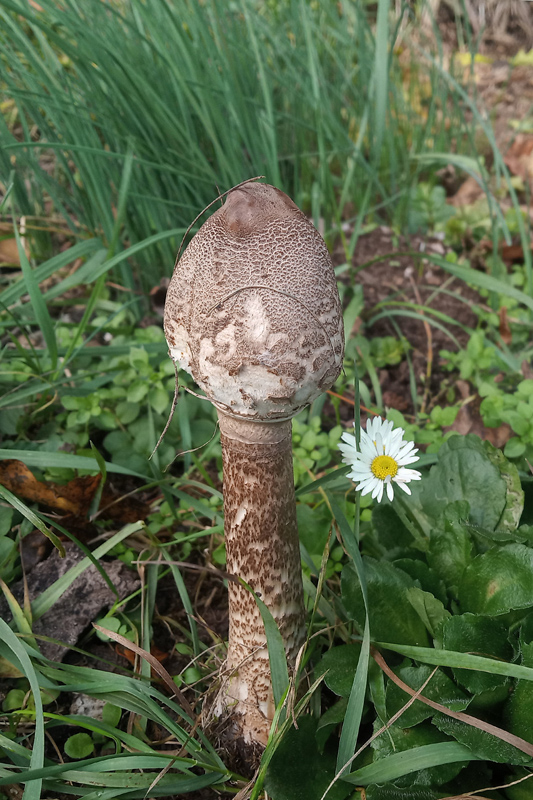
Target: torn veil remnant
x=253, y=314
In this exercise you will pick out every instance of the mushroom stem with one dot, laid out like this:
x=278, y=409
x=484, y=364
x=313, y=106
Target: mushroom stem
x=262, y=547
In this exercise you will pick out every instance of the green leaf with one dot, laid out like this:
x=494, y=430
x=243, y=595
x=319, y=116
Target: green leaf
x=298, y=771
x=514, y=448
x=79, y=746
x=484, y=636
x=484, y=745
x=429, y=579
x=514, y=503
x=314, y=525
x=450, y=546
x=408, y=761
x=338, y=665
x=391, y=532
x=13, y=700
x=464, y=472
x=329, y=721
x=391, y=614
x=440, y=688
x=6, y=518
x=430, y=610
x=497, y=581
x=391, y=792
x=127, y=412
x=517, y=715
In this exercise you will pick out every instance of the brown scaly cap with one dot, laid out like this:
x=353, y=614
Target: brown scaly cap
x=252, y=309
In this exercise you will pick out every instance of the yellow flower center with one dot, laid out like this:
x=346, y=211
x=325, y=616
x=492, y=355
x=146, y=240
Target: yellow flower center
x=382, y=466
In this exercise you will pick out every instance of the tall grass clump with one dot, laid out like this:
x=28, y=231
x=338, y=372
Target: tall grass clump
x=207, y=94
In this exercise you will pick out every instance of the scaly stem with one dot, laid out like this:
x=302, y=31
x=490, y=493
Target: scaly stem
x=262, y=547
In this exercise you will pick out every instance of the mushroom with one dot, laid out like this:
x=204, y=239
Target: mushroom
x=253, y=314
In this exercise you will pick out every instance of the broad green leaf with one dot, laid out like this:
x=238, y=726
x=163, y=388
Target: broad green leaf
x=80, y=745
x=429, y=579
x=338, y=665
x=517, y=715
x=391, y=792
x=450, y=546
x=329, y=720
x=298, y=771
x=465, y=472
x=392, y=534
x=430, y=610
x=514, y=504
x=484, y=745
x=483, y=636
x=314, y=526
x=391, y=614
x=440, y=688
x=497, y=581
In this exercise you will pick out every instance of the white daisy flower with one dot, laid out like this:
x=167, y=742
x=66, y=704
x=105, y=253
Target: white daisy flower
x=381, y=459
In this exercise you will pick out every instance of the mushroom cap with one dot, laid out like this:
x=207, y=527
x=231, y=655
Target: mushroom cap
x=252, y=309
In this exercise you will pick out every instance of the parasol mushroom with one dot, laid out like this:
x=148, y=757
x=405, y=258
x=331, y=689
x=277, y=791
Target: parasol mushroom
x=253, y=314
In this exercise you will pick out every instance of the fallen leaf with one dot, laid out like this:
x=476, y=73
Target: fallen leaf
x=468, y=193
x=519, y=157
x=505, y=330
x=523, y=58
x=512, y=253
x=9, y=253
x=526, y=369
x=468, y=420
x=73, y=498
x=8, y=670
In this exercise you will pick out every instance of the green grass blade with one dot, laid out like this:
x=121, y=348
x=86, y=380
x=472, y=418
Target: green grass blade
x=452, y=658
x=41, y=312
x=47, y=599
x=42, y=460
x=14, y=501
x=386, y=770
x=381, y=75
x=184, y=596
x=32, y=790
x=354, y=710
x=49, y=267
x=276, y=649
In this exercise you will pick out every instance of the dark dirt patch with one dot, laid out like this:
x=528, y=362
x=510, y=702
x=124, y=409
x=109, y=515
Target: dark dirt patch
x=415, y=281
